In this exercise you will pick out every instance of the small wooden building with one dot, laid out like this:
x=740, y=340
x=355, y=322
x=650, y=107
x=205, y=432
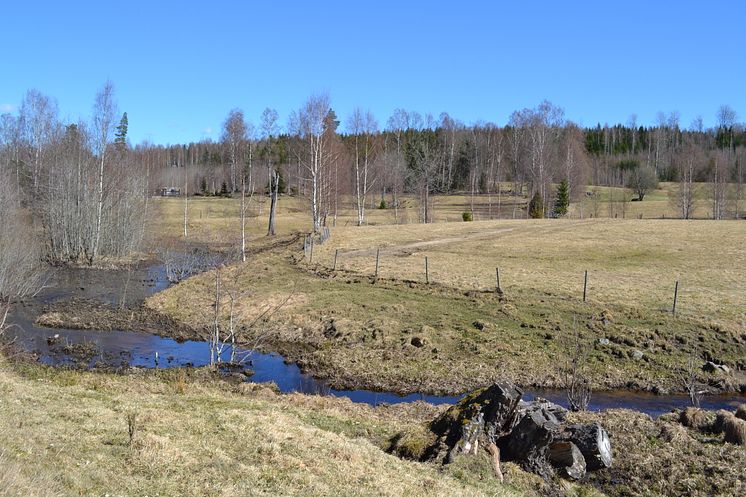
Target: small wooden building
x=170, y=191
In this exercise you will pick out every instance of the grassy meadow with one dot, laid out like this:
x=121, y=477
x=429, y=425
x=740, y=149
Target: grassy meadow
x=399, y=333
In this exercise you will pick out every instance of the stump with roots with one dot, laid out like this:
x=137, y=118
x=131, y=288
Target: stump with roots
x=531, y=434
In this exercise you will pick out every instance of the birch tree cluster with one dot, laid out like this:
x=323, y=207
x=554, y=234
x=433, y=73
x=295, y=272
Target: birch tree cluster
x=80, y=181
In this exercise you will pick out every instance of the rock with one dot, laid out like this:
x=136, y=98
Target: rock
x=417, y=342
x=604, y=341
x=479, y=325
x=741, y=412
x=711, y=367
x=637, y=355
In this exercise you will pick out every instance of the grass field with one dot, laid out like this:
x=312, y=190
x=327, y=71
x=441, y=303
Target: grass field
x=632, y=263
x=216, y=220
x=66, y=433
x=357, y=331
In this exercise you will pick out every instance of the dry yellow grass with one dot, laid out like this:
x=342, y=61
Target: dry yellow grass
x=65, y=433
x=630, y=262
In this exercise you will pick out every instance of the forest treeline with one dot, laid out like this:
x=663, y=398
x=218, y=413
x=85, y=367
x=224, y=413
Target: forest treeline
x=88, y=187
x=414, y=154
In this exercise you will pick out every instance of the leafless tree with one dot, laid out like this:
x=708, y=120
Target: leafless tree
x=396, y=164
x=316, y=128
x=694, y=388
x=10, y=146
x=363, y=127
x=576, y=380
x=234, y=137
x=38, y=121
x=269, y=129
x=104, y=115
x=688, y=162
x=20, y=269
x=719, y=183
x=727, y=120
x=239, y=335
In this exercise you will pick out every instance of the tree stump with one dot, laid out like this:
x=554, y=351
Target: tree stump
x=528, y=443
x=594, y=444
x=568, y=459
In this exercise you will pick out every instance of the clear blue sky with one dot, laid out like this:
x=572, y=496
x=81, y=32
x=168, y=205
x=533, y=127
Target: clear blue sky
x=179, y=67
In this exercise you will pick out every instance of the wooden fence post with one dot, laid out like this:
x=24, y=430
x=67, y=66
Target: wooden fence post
x=336, y=253
x=585, y=285
x=427, y=272
x=378, y=258
x=675, y=297
x=497, y=275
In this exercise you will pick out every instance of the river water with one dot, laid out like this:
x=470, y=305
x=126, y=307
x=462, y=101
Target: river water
x=127, y=348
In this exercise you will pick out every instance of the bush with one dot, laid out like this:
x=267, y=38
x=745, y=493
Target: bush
x=467, y=216
x=536, y=207
x=735, y=430
x=382, y=205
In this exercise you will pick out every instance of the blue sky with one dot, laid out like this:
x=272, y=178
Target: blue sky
x=179, y=67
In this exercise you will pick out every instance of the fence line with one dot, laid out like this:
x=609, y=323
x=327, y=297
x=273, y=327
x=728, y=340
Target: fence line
x=428, y=277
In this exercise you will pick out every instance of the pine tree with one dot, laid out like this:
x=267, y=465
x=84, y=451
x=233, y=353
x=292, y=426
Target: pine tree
x=536, y=207
x=120, y=137
x=562, y=202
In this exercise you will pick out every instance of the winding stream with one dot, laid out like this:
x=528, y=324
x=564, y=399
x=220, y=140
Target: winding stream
x=139, y=349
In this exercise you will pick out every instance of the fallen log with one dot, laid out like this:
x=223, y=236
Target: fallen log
x=567, y=458
x=594, y=444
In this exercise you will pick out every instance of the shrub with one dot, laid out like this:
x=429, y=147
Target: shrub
x=735, y=430
x=693, y=417
x=741, y=412
x=382, y=205
x=467, y=216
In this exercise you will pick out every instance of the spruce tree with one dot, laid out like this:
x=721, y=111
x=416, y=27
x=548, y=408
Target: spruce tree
x=562, y=202
x=120, y=137
x=536, y=207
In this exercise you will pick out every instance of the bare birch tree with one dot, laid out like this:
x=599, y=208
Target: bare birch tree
x=104, y=115
x=312, y=124
x=363, y=127
x=234, y=136
x=38, y=121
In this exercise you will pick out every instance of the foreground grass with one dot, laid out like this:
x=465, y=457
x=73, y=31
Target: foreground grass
x=66, y=433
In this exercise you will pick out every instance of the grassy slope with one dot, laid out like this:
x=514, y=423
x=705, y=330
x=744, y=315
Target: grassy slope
x=65, y=433
x=525, y=335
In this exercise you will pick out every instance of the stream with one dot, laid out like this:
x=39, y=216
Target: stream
x=127, y=348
